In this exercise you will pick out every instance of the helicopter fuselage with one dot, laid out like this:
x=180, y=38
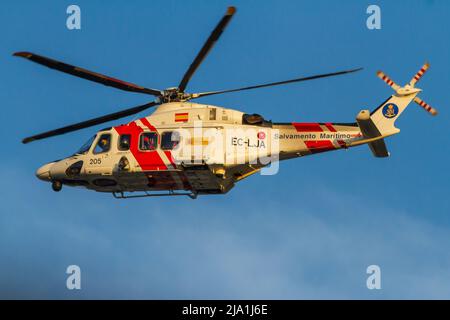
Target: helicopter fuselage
x=196, y=148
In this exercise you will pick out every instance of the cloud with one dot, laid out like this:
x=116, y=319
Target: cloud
x=215, y=247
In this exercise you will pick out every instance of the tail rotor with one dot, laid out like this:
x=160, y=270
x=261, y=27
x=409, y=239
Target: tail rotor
x=419, y=74
x=388, y=80
x=410, y=89
x=426, y=106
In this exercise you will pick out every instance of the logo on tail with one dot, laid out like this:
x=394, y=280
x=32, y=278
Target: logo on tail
x=390, y=110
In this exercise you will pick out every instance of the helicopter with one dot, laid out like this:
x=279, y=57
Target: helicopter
x=187, y=148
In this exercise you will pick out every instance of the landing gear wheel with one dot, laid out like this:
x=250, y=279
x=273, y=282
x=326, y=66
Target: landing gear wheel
x=56, y=186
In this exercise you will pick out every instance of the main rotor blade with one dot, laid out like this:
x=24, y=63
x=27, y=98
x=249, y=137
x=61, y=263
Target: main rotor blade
x=214, y=36
x=90, y=123
x=204, y=94
x=86, y=74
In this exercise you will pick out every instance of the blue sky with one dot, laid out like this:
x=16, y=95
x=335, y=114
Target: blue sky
x=308, y=232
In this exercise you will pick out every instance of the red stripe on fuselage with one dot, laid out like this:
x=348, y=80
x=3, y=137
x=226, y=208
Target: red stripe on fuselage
x=316, y=146
x=330, y=127
x=147, y=160
x=169, y=181
x=170, y=157
x=319, y=145
x=146, y=123
x=307, y=127
x=155, y=158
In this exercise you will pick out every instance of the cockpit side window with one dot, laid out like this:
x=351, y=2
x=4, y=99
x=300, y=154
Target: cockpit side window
x=103, y=144
x=148, y=141
x=85, y=147
x=124, y=142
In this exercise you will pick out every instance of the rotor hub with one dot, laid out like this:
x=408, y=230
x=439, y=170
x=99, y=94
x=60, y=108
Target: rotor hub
x=174, y=95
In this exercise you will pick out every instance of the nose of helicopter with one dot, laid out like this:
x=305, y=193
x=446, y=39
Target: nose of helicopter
x=43, y=173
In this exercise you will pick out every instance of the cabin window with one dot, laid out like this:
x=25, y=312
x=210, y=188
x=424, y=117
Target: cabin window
x=170, y=140
x=103, y=144
x=124, y=142
x=212, y=114
x=148, y=141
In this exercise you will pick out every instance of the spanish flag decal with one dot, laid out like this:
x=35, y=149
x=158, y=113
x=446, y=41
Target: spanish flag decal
x=181, y=117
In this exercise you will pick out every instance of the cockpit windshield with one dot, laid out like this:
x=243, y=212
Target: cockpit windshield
x=85, y=147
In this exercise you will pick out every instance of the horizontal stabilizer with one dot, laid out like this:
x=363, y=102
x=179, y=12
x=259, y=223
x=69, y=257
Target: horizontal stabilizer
x=378, y=148
x=370, y=131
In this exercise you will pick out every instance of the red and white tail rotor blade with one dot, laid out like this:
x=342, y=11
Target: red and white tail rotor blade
x=388, y=80
x=426, y=106
x=419, y=74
